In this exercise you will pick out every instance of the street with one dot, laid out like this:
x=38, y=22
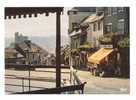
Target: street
x=95, y=85
x=94, y=37
x=98, y=85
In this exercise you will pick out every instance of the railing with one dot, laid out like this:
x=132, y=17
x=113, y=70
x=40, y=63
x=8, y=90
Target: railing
x=27, y=66
x=57, y=90
x=77, y=86
x=22, y=84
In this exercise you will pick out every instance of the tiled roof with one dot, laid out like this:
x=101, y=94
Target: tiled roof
x=10, y=50
x=34, y=48
x=93, y=18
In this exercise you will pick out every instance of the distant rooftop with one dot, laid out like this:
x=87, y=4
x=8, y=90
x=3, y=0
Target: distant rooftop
x=84, y=9
x=10, y=50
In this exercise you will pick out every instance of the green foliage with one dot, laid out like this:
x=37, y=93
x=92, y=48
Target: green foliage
x=75, y=51
x=124, y=42
x=110, y=35
x=86, y=45
x=107, y=38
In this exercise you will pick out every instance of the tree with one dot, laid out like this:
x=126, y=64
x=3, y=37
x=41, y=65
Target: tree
x=107, y=38
x=124, y=42
x=123, y=47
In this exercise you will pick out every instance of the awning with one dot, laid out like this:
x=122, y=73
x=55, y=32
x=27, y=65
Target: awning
x=99, y=55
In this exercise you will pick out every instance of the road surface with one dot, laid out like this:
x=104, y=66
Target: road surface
x=110, y=85
x=95, y=85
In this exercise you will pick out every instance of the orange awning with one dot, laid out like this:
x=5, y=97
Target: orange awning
x=99, y=55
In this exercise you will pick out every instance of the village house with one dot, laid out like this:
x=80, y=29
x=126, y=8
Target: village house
x=76, y=16
x=95, y=29
x=115, y=27
x=116, y=22
x=13, y=56
x=101, y=31
x=32, y=52
x=25, y=52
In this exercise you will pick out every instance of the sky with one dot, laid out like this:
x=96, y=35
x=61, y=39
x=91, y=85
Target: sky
x=37, y=26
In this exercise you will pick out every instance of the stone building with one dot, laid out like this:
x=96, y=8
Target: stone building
x=95, y=29
x=77, y=15
x=116, y=20
x=77, y=32
x=24, y=52
x=20, y=38
x=33, y=53
x=103, y=28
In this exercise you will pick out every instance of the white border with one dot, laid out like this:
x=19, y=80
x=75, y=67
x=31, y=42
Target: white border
x=72, y=3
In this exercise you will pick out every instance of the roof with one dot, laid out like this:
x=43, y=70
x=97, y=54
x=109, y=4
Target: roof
x=10, y=50
x=93, y=18
x=10, y=53
x=34, y=47
x=99, y=55
x=84, y=9
x=14, y=11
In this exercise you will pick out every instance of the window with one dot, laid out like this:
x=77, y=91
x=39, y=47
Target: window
x=120, y=9
x=74, y=25
x=74, y=12
x=121, y=26
x=94, y=27
x=109, y=11
x=99, y=25
x=114, y=10
x=109, y=27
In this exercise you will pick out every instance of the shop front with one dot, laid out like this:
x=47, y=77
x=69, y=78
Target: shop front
x=102, y=62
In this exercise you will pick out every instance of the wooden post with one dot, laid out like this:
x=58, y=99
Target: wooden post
x=29, y=73
x=22, y=84
x=58, y=43
x=29, y=78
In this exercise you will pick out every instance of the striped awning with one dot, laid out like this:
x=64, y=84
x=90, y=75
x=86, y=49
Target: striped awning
x=99, y=55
